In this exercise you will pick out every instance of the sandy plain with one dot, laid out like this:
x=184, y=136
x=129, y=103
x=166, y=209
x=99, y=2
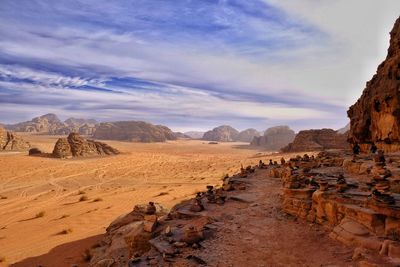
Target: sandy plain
x=46, y=203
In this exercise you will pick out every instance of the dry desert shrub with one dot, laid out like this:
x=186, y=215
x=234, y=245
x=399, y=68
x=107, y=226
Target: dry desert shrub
x=40, y=214
x=65, y=231
x=83, y=198
x=97, y=199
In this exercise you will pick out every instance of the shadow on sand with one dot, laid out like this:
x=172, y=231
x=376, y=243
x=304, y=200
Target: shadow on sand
x=64, y=255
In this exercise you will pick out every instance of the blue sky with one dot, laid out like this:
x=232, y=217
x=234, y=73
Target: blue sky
x=191, y=64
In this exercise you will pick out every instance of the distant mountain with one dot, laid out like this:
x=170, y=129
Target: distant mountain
x=344, y=129
x=180, y=135
x=194, y=134
x=222, y=133
x=134, y=131
x=247, y=135
x=51, y=124
x=274, y=138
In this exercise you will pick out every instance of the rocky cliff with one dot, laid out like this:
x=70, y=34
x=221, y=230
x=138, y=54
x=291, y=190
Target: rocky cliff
x=274, y=138
x=375, y=117
x=135, y=131
x=11, y=142
x=316, y=140
x=51, y=124
x=222, y=133
x=247, y=135
x=76, y=146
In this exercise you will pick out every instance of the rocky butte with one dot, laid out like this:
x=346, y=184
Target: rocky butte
x=133, y=131
x=274, y=138
x=317, y=140
x=76, y=146
x=247, y=135
x=375, y=117
x=222, y=133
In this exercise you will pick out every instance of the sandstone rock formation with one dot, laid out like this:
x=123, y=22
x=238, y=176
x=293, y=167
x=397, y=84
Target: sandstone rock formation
x=51, y=124
x=135, y=131
x=317, y=140
x=247, y=135
x=11, y=142
x=76, y=146
x=375, y=117
x=274, y=138
x=222, y=133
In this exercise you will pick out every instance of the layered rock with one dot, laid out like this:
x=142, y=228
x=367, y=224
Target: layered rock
x=135, y=131
x=317, y=140
x=9, y=141
x=274, y=138
x=76, y=146
x=222, y=133
x=375, y=117
x=247, y=135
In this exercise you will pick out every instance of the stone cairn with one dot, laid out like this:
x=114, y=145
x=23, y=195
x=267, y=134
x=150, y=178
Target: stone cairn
x=381, y=193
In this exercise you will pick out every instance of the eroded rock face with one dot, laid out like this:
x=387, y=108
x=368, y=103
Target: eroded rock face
x=275, y=138
x=9, y=141
x=51, y=124
x=222, y=133
x=247, y=135
x=76, y=146
x=135, y=131
x=375, y=117
x=316, y=140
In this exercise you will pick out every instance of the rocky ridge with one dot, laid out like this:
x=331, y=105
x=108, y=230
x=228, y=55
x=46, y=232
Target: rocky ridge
x=317, y=140
x=51, y=124
x=375, y=117
x=135, y=131
x=274, y=138
x=76, y=146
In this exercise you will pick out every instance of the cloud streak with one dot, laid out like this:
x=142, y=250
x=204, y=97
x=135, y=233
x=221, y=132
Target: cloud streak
x=183, y=63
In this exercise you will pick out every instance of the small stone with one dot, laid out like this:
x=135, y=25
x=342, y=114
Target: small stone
x=150, y=218
x=180, y=244
x=149, y=226
x=168, y=231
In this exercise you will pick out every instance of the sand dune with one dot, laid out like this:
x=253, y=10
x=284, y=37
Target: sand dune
x=47, y=202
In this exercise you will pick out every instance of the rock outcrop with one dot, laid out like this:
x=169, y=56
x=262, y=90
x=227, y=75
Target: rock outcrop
x=274, y=138
x=76, y=146
x=222, y=133
x=9, y=141
x=247, y=135
x=317, y=140
x=375, y=117
x=134, y=131
x=51, y=124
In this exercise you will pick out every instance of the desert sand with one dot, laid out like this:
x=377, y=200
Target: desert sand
x=48, y=202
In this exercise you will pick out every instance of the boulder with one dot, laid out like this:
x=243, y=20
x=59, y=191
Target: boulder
x=375, y=117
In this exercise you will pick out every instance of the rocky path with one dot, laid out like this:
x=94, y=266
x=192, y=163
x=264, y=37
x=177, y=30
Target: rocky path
x=253, y=231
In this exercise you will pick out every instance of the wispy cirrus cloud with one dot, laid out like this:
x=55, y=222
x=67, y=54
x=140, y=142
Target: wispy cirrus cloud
x=182, y=63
